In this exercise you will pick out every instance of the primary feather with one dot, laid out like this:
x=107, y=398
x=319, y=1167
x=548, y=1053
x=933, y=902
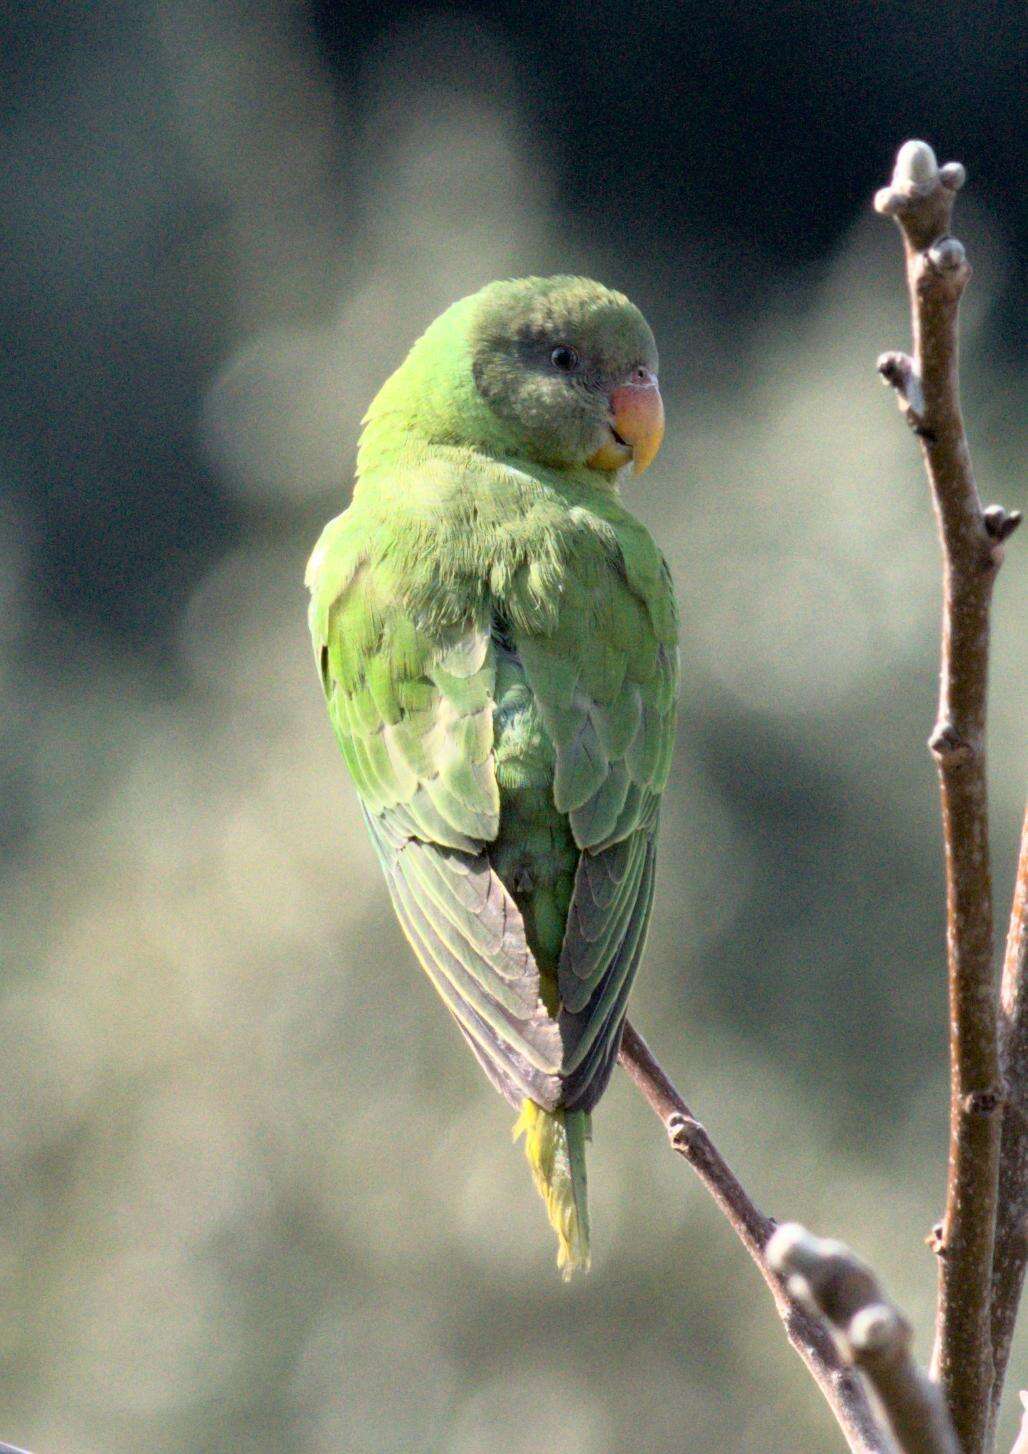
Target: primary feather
x=497, y=641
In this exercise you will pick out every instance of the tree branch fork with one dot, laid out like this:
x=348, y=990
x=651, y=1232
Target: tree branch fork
x=854, y=1341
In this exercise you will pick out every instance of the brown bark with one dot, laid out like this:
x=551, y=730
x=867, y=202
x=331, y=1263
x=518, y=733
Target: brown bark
x=921, y=198
x=983, y=1239
x=873, y=1332
x=808, y=1333
x=1011, y=1251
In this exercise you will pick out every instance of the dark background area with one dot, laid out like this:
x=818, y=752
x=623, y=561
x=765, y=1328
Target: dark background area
x=739, y=140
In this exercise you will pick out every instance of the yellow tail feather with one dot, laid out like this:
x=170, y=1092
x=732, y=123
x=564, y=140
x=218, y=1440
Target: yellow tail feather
x=555, y=1148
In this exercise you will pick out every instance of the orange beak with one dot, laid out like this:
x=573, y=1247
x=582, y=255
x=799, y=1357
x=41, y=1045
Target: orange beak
x=637, y=424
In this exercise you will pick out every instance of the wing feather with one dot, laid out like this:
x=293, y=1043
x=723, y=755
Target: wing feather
x=412, y=698
x=412, y=707
x=596, y=931
x=606, y=684
x=501, y=1044
x=594, y=1032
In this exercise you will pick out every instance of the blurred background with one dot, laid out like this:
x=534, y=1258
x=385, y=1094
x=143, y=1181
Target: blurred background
x=255, y=1194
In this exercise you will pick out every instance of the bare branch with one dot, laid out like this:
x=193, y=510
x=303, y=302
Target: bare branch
x=953, y=1416
x=921, y=198
x=807, y=1333
x=873, y=1333
x=1011, y=1252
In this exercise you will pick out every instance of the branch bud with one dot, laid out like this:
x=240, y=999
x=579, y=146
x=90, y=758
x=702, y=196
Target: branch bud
x=878, y=1328
x=946, y=254
x=916, y=168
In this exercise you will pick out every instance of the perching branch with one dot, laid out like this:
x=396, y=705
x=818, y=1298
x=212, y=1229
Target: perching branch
x=921, y=198
x=983, y=1240
x=1011, y=1251
x=807, y=1332
x=874, y=1334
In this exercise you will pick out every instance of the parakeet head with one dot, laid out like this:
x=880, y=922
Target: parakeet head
x=571, y=367
x=558, y=370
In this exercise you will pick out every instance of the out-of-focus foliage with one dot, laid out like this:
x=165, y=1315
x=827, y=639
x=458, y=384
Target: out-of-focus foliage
x=256, y=1193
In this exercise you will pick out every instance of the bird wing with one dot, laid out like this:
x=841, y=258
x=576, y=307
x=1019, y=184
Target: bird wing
x=412, y=706
x=606, y=680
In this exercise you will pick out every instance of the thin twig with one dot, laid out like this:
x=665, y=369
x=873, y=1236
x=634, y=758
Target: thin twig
x=1011, y=1252
x=807, y=1333
x=921, y=198
x=874, y=1334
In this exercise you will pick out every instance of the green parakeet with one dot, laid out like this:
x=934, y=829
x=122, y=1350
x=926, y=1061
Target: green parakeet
x=497, y=641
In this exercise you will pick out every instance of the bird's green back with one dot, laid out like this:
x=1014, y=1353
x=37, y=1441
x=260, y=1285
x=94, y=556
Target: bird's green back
x=439, y=565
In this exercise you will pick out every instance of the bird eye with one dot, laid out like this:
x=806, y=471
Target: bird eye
x=564, y=358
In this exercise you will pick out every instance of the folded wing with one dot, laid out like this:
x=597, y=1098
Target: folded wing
x=413, y=711
x=607, y=683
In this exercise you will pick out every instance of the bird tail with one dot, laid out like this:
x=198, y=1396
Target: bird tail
x=555, y=1148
